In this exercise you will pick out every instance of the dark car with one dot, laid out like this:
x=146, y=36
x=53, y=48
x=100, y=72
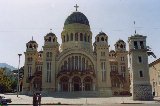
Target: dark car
x=4, y=100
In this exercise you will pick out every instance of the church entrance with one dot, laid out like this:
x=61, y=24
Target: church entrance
x=76, y=83
x=64, y=84
x=37, y=84
x=88, y=83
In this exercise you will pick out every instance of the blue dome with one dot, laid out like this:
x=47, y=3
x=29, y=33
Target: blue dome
x=77, y=17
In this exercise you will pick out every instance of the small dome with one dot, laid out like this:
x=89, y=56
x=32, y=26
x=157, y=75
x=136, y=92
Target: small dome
x=77, y=17
x=101, y=33
x=32, y=41
x=50, y=34
x=120, y=40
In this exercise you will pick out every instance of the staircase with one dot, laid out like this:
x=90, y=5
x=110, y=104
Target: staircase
x=73, y=94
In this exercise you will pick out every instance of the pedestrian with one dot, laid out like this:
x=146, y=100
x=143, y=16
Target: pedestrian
x=35, y=99
x=39, y=99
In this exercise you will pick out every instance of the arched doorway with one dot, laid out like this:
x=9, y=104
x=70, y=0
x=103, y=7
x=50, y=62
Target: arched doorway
x=88, y=82
x=37, y=84
x=64, y=81
x=76, y=83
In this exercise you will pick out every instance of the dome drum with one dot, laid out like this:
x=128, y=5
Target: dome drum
x=101, y=37
x=120, y=45
x=32, y=45
x=50, y=38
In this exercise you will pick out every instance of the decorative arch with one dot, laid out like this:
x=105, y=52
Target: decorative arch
x=37, y=83
x=71, y=56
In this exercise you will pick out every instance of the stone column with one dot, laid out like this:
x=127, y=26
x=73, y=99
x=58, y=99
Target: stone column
x=74, y=63
x=82, y=86
x=94, y=87
x=70, y=86
x=59, y=87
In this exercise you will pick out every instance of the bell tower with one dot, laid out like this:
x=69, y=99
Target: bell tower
x=101, y=49
x=31, y=55
x=139, y=70
x=50, y=51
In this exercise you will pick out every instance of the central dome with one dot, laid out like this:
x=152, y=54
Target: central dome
x=77, y=17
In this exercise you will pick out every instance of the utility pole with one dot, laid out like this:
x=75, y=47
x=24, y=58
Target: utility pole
x=18, y=75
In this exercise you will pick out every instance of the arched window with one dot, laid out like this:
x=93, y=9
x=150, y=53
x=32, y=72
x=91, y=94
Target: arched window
x=69, y=63
x=72, y=62
x=102, y=39
x=89, y=38
x=83, y=63
x=81, y=37
x=97, y=39
x=65, y=65
x=62, y=68
x=50, y=54
x=117, y=46
x=49, y=39
x=121, y=46
x=141, y=73
x=35, y=46
x=76, y=62
x=80, y=63
x=87, y=64
x=30, y=46
x=76, y=36
x=106, y=39
x=67, y=37
x=53, y=39
x=85, y=37
x=31, y=59
x=71, y=36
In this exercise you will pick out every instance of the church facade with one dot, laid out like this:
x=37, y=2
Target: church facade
x=77, y=64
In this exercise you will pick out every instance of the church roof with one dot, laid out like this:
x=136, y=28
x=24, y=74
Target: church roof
x=77, y=17
x=101, y=33
x=50, y=34
x=120, y=40
x=32, y=41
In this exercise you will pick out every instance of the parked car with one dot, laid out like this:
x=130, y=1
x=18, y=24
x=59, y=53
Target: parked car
x=4, y=100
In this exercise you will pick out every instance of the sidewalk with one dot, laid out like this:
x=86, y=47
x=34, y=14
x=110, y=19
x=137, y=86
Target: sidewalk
x=23, y=99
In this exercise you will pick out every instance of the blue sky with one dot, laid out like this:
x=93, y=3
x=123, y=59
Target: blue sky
x=22, y=19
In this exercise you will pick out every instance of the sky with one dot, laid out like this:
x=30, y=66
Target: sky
x=22, y=19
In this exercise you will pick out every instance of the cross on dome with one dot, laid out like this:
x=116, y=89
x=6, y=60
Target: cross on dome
x=76, y=6
x=51, y=30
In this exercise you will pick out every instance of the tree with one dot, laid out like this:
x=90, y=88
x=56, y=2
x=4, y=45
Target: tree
x=6, y=82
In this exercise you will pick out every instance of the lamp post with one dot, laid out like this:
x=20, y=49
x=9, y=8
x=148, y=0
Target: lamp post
x=18, y=75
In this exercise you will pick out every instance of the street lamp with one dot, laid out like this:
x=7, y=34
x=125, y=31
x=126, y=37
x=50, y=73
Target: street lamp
x=18, y=75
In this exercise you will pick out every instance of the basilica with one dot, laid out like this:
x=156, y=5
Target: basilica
x=78, y=64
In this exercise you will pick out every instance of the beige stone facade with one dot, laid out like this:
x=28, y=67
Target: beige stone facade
x=139, y=68
x=119, y=69
x=154, y=71
x=77, y=64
